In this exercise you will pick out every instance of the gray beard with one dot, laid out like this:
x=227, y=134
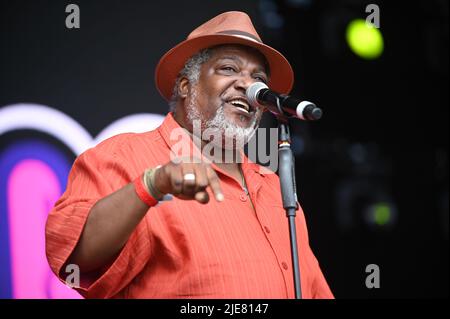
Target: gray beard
x=232, y=136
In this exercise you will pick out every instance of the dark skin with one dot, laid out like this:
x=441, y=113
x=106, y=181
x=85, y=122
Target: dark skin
x=228, y=73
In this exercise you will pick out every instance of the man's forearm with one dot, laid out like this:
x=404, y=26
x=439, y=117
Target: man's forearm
x=108, y=227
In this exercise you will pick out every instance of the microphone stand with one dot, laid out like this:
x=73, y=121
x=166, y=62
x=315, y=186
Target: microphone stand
x=286, y=173
x=306, y=111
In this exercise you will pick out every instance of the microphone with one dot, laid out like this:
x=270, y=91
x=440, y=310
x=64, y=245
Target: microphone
x=259, y=94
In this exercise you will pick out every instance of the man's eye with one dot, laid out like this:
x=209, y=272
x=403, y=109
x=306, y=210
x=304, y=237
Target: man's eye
x=229, y=69
x=261, y=79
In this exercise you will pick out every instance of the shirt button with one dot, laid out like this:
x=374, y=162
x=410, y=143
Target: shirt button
x=285, y=266
x=243, y=197
x=267, y=229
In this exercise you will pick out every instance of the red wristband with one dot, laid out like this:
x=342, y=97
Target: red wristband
x=142, y=193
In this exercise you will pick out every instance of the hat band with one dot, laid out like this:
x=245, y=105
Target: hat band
x=243, y=34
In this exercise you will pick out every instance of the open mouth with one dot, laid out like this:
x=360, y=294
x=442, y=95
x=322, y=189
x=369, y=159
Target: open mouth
x=241, y=104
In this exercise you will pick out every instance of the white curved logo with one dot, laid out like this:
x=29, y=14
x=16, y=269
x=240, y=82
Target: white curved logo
x=66, y=129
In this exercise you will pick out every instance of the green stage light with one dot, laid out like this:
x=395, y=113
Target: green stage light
x=364, y=40
x=382, y=214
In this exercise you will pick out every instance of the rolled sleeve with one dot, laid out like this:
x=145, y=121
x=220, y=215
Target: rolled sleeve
x=93, y=176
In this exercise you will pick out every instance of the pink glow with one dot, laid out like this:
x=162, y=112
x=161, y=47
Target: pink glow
x=33, y=188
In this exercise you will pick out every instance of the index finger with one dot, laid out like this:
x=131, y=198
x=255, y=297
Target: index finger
x=214, y=183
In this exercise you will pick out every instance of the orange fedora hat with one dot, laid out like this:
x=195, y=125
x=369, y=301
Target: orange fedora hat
x=232, y=27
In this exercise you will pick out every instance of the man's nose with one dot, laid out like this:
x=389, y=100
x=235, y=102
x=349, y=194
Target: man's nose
x=243, y=82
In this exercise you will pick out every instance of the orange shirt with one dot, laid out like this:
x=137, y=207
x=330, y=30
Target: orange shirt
x=183, y=249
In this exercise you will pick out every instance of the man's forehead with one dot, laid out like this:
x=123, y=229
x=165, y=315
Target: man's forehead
x=239, y=52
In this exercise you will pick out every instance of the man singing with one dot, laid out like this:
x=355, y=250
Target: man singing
x=223, y=233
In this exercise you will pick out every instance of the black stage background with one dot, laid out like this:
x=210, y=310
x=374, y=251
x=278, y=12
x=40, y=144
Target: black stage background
x=383, y=137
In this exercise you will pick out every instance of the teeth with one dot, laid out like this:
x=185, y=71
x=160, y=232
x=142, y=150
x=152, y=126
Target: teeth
x=242, y=109
x=241, y=104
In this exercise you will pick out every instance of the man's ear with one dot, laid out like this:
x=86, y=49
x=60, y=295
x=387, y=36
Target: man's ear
x=183, y=88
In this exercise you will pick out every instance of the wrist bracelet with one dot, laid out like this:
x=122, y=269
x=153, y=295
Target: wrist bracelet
x=142, y=192
x=149, y=182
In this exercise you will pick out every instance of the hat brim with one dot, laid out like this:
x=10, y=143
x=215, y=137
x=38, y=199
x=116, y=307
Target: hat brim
x=281, y=73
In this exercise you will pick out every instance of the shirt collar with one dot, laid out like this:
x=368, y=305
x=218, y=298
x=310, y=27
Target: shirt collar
x=172, y=133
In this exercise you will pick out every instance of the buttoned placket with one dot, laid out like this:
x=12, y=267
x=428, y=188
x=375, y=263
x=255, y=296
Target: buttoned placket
x=282, y=261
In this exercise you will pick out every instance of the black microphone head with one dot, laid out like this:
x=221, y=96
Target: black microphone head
x=253, y=91
x=316, y=113
x=308, y=111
